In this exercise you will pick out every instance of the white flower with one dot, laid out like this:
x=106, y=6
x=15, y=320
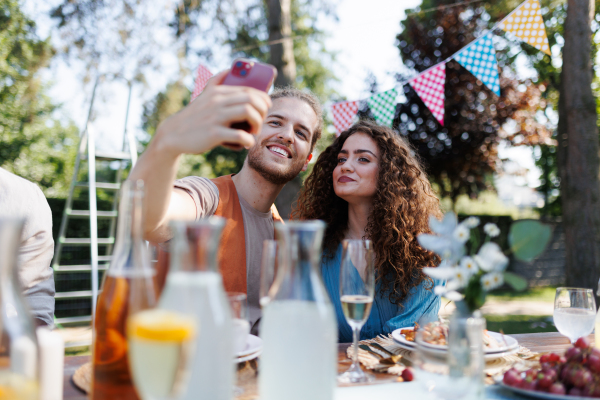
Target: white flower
x=491, y=230
x=471, y=222
x=461, y=277
x=443, y=242
x=469, y=265
x=461, y=233
x=446, y=226
x=451, y=295
x=490, y=258
x=492, y=280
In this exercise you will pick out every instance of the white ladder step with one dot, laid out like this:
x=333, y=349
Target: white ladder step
x=78, y=268
x=101, y=185
x=85, y=241
x=102, y=155
x=71, y=320
x=86, y=213
x=74, y=294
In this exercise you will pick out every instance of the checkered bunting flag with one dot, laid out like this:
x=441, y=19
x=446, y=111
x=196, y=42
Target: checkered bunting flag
x=343, y=115
x=479, y=57
x=202, y=77
x=430, y=88
x=526, y=23
x=383, y=107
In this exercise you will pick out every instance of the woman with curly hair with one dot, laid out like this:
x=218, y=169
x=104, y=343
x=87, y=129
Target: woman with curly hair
x=370, y=185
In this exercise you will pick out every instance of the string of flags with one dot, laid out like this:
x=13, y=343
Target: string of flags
x=478, y=57
x=202, y=77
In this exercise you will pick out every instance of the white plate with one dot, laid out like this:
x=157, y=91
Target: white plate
x=512, y=343
x=253, y=345
x=542, y=395
x=248, y=357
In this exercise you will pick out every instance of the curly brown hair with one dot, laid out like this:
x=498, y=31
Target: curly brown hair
x=401, y=208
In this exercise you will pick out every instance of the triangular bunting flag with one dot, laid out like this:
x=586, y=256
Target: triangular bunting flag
x=430, y=88
x=479, y=57
x=202, y=77
x=383, y=107
x=526, y=23
x=343, y=115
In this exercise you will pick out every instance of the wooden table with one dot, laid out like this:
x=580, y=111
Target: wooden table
x=538, y=342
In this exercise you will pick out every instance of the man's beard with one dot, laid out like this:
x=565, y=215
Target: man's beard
x=274, y=173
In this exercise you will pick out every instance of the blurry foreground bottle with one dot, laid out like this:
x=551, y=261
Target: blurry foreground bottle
x=128, y=287
x=18, y=344
x=298, y=323
x=194, y=275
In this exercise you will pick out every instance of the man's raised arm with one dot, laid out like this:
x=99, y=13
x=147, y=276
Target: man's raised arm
x=201, y=126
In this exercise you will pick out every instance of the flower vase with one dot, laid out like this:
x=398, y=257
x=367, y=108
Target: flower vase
x=465, y=350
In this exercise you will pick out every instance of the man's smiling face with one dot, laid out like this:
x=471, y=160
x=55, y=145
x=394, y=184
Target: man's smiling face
x=284, y=144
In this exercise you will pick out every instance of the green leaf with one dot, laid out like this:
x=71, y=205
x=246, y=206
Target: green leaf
x=528, y=239
x=517, y=282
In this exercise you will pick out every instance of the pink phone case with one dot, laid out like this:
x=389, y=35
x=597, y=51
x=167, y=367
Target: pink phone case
x=245, y=72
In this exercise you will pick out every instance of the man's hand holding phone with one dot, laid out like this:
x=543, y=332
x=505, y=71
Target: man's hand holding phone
x=209, y=120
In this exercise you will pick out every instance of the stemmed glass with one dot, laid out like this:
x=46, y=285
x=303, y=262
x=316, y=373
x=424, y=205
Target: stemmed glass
x=574, y=312
x=268, y=268
x=357, y=287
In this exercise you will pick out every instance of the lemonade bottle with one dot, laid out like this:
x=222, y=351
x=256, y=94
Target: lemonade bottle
x=128, y=287
x=160, y=346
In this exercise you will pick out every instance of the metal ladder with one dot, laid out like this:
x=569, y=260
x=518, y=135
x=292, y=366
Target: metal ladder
x=87, y=152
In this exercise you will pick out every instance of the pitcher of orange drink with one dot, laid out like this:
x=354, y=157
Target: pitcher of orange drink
x=18, y=344
x=128, y=287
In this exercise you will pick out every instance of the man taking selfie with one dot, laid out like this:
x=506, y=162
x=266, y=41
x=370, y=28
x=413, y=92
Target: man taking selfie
x=283, y=131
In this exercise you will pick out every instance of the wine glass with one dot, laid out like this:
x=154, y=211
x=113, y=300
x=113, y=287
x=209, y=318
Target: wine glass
x=574, y=312
x=357, y=287
x=268, y=268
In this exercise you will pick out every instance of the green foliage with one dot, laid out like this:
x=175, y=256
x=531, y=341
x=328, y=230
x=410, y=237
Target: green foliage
x=515, y=281
x=528, y=239
x=515, y=324
x=33, y=144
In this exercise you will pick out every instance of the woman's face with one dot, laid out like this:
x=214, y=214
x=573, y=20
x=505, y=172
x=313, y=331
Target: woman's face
x=355, y=176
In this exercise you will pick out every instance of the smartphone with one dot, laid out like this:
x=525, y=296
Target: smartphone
x=253, y=74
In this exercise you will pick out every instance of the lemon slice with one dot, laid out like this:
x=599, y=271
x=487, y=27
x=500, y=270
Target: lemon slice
x=161, y=325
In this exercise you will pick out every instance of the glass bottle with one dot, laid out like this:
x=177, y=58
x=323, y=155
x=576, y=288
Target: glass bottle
x=18, y=344
x=194, y=275
x=298, y=322
x=128, y=287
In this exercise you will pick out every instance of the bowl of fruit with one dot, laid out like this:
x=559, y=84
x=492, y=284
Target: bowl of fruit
x=574, y=374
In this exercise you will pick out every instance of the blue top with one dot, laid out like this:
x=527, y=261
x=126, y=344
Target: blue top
x=385, y=316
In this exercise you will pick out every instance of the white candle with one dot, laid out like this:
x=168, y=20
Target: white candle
x=52, y=360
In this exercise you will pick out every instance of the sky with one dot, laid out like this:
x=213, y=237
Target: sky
x=363, y=38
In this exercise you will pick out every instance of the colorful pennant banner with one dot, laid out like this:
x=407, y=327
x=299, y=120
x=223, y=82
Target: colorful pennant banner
x=343, y=115
x=383, y=107
x=202, y=77
x=430, y=88
x=478, y=57
x=526, y=23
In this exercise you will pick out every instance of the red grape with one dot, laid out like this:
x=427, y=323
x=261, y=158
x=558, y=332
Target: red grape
x=512, y=378
x=527, y=384
x=407, y=374
x=557, y=388
x=582, y=343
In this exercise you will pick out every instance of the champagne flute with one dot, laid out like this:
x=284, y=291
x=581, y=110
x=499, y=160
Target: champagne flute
x=574, y=312
x=357, y=287
x=268, y=268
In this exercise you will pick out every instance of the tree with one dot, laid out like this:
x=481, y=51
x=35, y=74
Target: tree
x=238, y=25
x=461, y=156
x=578, y=147
x=33, y=144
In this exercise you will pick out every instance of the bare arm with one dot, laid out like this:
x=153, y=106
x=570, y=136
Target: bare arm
x=203, y=125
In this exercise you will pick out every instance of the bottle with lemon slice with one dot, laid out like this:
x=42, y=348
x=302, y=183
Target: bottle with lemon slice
x=128, y=287
x=160, y=342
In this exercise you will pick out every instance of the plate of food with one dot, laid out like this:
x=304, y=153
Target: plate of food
x=435, y=337
x=574, y=375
